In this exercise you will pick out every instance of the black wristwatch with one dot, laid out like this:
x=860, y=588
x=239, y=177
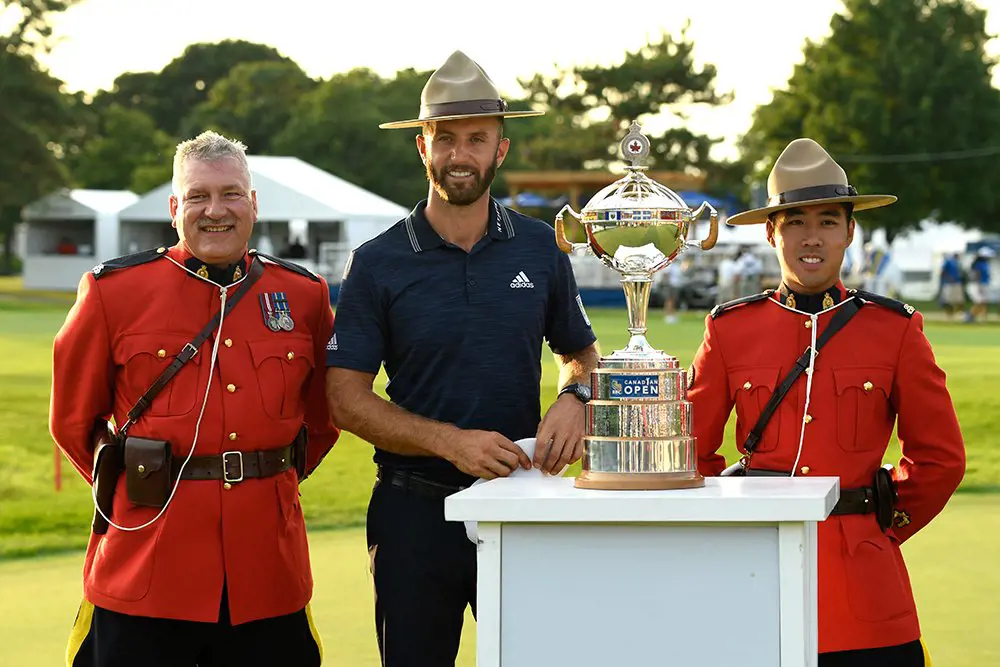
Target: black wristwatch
x=580, y=391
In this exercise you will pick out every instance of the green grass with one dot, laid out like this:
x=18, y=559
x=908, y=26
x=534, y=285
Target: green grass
x=34, y=519
x=956, y=599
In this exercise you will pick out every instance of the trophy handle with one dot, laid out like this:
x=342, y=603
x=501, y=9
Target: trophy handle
x=564, y=244
x=713, y=230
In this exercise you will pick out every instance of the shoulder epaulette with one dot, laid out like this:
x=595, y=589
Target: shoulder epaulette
x=723, y=307
x=904, y=309
x=127, y=261
x=291, y=266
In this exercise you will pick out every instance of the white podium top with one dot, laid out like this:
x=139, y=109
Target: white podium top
x=722, y=499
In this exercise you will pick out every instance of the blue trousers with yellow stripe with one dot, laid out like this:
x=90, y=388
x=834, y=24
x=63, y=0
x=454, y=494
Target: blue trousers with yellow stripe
x=104, y=638
x=912, y=654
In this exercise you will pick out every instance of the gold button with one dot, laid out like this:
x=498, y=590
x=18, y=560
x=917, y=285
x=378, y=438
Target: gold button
x=809, y=324
x=232, y=436
x=747, y=385
x=291, y=355
x=161, y=353
x=808, y=418
x=161, y=250
x=868, y=386
x=230, y=388
x=141, y=468
x=227, y=486
x=228, y=342
x=804, y=470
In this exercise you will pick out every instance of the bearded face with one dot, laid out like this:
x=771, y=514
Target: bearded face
x=461, y=158
x=461, y=184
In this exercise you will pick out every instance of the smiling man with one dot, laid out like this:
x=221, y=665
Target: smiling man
x=455, y=301
x=819, y=376
x=207, y=357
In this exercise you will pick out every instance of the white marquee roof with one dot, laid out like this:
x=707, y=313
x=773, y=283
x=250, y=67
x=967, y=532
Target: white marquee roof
x=287, y=189
x=78, y=204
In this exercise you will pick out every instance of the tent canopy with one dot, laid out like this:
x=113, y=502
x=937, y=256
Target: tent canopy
x=78, y=204
x=287, y=189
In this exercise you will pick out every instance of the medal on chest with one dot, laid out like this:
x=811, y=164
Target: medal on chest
x=277, y=311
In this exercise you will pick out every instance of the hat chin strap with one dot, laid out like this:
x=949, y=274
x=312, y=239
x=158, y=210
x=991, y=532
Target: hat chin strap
x=811, y=193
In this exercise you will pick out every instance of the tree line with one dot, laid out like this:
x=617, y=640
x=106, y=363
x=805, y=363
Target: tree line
x=900, y=92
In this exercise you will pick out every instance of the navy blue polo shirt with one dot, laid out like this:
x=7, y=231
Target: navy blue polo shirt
x=460, y=334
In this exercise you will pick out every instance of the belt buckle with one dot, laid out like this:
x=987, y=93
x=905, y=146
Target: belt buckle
x=225, y=466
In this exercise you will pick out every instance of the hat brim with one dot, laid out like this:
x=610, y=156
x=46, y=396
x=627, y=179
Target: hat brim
x=861, y=203
x=417, y=122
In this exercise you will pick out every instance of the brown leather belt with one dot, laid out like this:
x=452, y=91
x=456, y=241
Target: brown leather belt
x=852, y=501
x=236, y=466
x=410, y=481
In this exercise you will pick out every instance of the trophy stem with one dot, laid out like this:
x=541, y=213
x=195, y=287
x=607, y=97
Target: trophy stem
x=637, y=289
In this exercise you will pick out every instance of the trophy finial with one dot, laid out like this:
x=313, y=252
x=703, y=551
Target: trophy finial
x=635, y=146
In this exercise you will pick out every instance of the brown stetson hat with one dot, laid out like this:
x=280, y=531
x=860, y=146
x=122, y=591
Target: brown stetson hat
x=805, y=175
x=459, y=89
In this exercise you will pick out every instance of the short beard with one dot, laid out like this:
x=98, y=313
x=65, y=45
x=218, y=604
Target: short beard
x=461, y=196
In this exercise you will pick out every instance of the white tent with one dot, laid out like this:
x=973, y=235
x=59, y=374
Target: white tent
x=297, y=201
x=65, y=234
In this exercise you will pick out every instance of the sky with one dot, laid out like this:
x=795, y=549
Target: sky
x=101, y=39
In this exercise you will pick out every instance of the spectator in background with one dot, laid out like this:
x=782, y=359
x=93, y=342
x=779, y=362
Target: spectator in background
x=295, y=249
x=728, y=276
x=748, y=269
x=951, y=295
x=979, y=283
x=673, y=281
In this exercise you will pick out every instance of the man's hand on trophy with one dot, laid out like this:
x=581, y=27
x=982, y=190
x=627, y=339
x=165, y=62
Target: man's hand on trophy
x=487, y=454
x=560, y=436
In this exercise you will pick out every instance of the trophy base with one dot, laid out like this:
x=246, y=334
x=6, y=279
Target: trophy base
x=624, y=481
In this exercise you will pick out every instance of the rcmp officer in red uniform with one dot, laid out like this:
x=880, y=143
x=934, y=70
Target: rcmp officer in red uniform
x=832, y=412
x=199, y=553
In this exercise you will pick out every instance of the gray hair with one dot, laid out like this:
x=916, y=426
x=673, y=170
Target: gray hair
x=208, y=147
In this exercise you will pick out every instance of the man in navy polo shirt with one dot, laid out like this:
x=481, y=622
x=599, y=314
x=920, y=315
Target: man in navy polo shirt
x=455, y=300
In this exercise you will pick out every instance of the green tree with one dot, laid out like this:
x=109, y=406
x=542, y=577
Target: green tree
x=34, y=114
x=335, y=127
x=118, y=144
x=254, y=102
x=170, y=95
x=900, y=94
x=589, y=109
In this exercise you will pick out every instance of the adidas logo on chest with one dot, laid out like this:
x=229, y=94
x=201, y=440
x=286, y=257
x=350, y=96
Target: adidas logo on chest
x=521, y=281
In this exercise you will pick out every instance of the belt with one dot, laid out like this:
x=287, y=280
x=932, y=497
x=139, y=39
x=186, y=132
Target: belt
x=236, y=466
x=852, y=501
x=410, y=481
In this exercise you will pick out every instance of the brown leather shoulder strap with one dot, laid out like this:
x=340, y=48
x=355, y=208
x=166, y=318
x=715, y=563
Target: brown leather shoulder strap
x=837, y=322
x=190, y=349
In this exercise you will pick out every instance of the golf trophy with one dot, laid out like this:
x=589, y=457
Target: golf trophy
x=638, y=423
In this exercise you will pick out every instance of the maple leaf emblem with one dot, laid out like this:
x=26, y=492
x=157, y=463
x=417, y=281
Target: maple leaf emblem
x=635, y=146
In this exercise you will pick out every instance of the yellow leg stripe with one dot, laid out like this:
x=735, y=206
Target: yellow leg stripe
x=81, y=627
x=927, y=655
x=314, y=632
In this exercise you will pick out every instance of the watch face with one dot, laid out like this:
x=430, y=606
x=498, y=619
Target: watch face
x=581, y=391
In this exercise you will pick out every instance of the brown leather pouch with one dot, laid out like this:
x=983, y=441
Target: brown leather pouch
x=148, y=475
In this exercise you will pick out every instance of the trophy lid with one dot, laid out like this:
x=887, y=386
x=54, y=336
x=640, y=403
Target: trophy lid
x=635, y=190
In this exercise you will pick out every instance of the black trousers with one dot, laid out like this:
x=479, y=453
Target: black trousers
x=903, y=655
x=424, y=569
x=111, y=639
